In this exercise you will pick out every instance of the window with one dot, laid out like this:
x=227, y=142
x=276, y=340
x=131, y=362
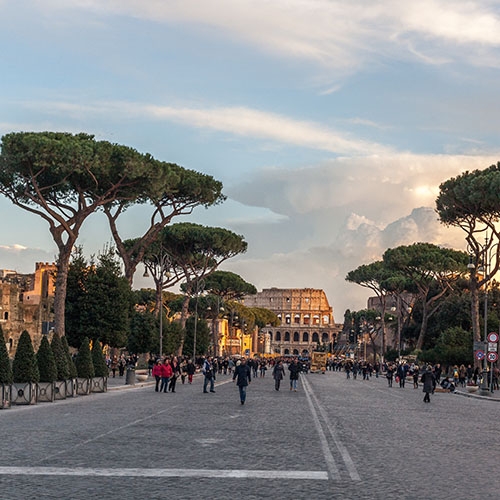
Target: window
x=305, y=337
x=315, y=319
x=278, y=336
x=296, y=337
x=287, y=336
x=315, y=337
x=296, y=319
x=324, y=338
x=288, y=319
x=306, y=319
x=326, y=319
x=270, y=336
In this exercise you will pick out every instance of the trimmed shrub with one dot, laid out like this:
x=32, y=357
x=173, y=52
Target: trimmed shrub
x=25, y=366
x=100, y=367
x=61, y=357
x=5, y=368
x=71, y=364
x=46, y=362
x=83, y=361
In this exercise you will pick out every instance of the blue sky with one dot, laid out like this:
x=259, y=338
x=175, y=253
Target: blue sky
x=330, y=123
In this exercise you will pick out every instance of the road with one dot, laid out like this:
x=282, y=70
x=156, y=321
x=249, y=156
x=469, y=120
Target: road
x=333, y=438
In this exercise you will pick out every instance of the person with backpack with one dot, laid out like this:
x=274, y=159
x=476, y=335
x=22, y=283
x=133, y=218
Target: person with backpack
x=208, y=371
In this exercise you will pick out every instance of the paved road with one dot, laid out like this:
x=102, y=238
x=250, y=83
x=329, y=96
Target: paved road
x=334, y=438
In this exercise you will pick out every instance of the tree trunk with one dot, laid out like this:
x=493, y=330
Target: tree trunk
x=60, y=288
x=184, y=314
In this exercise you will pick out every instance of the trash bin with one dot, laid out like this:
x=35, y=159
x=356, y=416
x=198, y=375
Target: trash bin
x=130, y=376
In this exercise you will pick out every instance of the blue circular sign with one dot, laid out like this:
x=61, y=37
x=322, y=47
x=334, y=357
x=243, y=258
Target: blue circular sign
x=479, y=355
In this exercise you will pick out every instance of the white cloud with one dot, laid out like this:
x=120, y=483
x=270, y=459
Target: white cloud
x=239, y=121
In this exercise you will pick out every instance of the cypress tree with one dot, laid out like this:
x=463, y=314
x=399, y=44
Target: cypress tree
x=83, y=361
x=5, y=368
x=71, y=364
x=61, y=357
x=100, y=366
x=25, y=366
x=47, y=367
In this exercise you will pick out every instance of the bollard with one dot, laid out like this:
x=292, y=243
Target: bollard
x=130, y=377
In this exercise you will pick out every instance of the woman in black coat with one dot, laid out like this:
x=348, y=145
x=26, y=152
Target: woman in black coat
x=429, y=381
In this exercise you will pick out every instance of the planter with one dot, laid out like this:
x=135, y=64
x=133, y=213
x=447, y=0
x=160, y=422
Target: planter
x=6, y=396
x=24, y=393
x=60, y=389
x=472, y=388
x=141, y=375
x=83, y=386
x=99, y=384
x=71, y=386
x=46, y=393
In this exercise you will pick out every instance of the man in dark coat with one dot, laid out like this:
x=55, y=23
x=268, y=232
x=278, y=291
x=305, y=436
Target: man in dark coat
x=429, y=381
x=243, y=377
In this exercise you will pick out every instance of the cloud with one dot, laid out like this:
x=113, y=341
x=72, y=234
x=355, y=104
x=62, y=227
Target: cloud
x=347, y=35
x=238, y=121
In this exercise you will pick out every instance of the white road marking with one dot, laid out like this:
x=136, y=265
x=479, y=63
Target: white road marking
x=135, y=472
x=353, y=473
x=330, y=461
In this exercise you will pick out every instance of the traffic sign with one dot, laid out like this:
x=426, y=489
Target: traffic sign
x=492, y=357
x=492, y=346
x=480, y=355
x=493, y=337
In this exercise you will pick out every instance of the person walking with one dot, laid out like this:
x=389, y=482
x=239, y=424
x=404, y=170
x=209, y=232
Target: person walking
x=389, y=373
x=242, y=375
x=166, y=373
x=278, y=374
x=208, y=371
x=429, y=381
x=157, y=374
x=176, y=371
x=294, y=369
x=401, y=374
x=190, y=370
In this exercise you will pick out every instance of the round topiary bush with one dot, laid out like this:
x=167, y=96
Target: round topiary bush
x=5, y=368
x=83, y=361
x=25, y=366
x=60, y=356
x=46, y=362
x=100, y=366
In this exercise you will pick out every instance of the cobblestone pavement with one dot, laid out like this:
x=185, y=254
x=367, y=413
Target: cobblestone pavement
x=333, y=438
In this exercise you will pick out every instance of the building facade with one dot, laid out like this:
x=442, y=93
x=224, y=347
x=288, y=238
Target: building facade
x=306, y=321
x=26, y=303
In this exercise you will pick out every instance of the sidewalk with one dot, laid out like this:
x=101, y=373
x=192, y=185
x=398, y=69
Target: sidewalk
x=118, y=383
x=491, y=396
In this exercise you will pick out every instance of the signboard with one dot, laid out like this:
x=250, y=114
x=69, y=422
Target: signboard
x=492, y=357
x=492, y=347
x=479, y=345
x=493, y=337
x=479, y=355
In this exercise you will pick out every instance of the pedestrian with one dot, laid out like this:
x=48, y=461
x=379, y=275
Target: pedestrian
x=401, y=374
x=176, y=371
x=166, y=373
x=190, y=370
x=157, y=374
x=416, y=371
x=389, y=373
x=429, y=381
x=121, y=366
x=243, y=377
x=208, y=371
x=114, y=365
x=294, y=369
x=278, y=374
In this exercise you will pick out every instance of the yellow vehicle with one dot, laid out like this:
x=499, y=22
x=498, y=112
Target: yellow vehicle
x=318, y=362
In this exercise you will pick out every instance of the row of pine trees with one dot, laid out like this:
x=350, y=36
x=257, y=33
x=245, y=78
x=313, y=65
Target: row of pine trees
x=52, y=362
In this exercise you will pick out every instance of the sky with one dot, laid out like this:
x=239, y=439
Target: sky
x=331, y=124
